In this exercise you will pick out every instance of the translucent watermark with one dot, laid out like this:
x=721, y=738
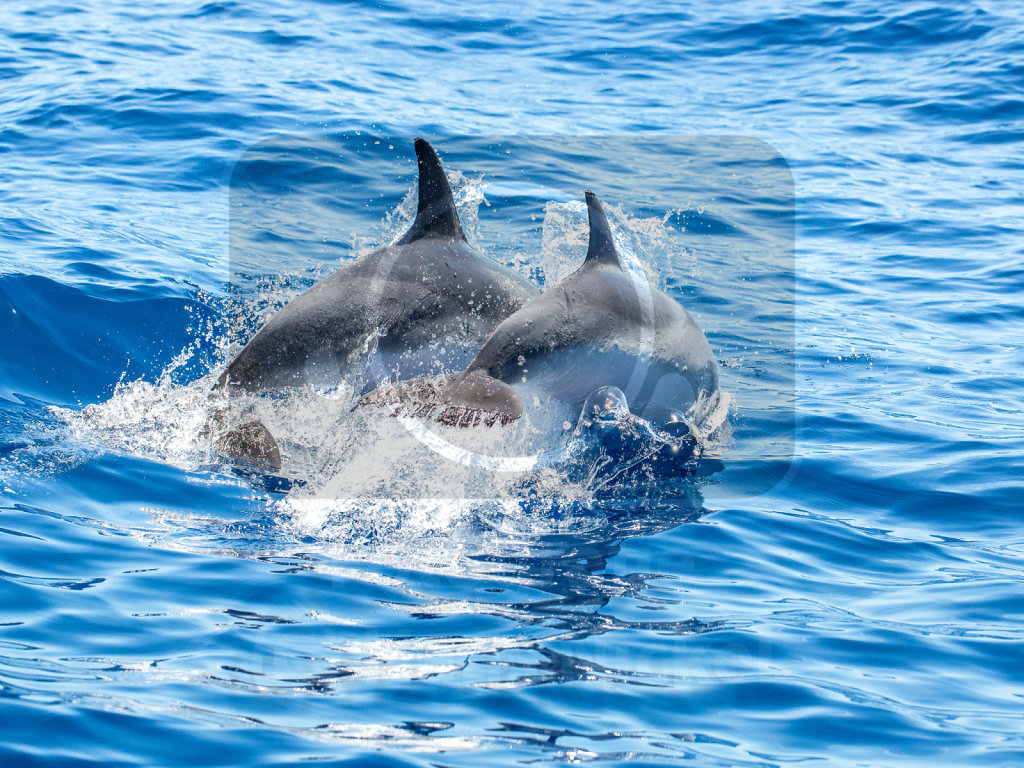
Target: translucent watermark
x=706, y=221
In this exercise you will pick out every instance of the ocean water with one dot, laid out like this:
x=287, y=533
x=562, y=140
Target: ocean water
x=833, y=189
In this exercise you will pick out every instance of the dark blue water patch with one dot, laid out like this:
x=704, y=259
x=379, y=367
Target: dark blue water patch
x=52, y=116
x=903, y=231
x=127, y=480
x=151, y=47
x=992, y=137
x=173, y=173
x=908, y=496
x=930, y=27
x=955, y=262
x=167, y=123
x=19, y=228
x=53, y=10
x=991, y=318
x=11, y=139
x=172, y=96
x=226, y=8
x=968, y=108
x=350, y=85
x=67, y=346
x=918, y=158
x=132, y=738
x=282, y=169
x=273, y=37
x=784, y=32
x=471, y=31
x=93, y=270
x=37, y=37
x=702, y=223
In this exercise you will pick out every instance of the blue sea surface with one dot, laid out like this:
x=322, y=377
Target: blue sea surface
x=832, y=188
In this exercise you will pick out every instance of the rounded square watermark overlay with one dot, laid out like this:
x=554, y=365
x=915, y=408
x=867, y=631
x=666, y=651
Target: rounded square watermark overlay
x=705, y=221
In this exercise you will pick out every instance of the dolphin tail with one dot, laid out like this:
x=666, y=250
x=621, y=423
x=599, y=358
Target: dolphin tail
x=468, y=400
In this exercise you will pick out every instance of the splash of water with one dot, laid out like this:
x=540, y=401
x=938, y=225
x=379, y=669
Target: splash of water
x=361, y=478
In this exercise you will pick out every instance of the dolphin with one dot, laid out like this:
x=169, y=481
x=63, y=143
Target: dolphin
x=428, y=289
x=428, y=285
x=601, y=328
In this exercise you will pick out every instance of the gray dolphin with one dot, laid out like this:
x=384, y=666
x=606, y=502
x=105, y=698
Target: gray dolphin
x=429, y=285
x=427, y=289
x=601, y=327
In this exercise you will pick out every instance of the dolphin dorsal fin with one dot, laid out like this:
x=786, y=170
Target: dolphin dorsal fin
x=602, y=244
x=436, y=215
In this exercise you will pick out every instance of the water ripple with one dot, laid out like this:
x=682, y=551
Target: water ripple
x=842, y=588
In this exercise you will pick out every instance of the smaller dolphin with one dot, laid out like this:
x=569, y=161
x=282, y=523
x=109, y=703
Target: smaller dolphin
x=601, y=327
x=427, y=290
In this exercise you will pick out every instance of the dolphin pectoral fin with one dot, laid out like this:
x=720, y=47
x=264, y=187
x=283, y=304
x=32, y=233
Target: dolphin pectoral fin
x=467, y=401
x=251, y=442
x=415, y=397
x=477, y=391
